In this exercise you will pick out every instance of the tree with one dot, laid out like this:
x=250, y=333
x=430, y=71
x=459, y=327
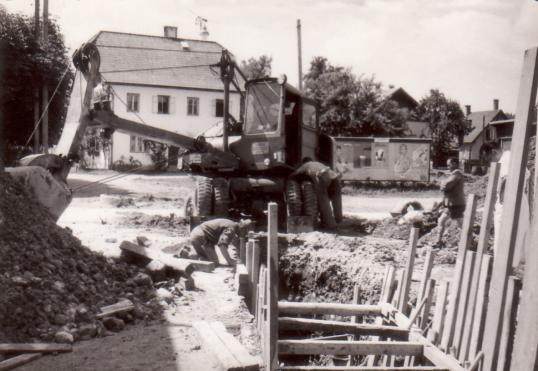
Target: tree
x=446, y=122
x=351, y=105
x=30, y=65
x=256, y=68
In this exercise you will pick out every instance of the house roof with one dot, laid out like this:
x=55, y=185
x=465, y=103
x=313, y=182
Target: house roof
x=159, y=61
x=402, y=97
x=479, y=120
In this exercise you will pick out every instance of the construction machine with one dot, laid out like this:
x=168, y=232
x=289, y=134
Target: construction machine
x=280, y=130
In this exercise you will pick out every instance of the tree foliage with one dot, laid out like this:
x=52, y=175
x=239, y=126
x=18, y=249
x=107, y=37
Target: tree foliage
x=446, y=122
x=29, y=66
x=256, y=68
x=352, y=105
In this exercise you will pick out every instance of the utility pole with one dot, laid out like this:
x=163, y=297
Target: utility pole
x=299, y=49
x=36, y=84
x=45, y=92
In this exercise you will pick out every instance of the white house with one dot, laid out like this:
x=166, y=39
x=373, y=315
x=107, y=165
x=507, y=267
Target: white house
x=166, y=82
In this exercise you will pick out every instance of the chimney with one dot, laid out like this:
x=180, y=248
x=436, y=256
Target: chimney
x=467, y=110
x=495, y=104
x=204, y=34
x=170, y=32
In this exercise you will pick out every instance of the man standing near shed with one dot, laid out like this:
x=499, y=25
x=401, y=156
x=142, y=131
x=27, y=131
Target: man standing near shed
x=453, y=198
x=328, y=189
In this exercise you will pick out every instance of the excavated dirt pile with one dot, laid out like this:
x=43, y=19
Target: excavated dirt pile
x=325, y=267
x=51, y=284
x=171, y=223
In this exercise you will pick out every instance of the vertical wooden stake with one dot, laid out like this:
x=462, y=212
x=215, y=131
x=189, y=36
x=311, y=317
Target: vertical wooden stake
x=387, y=285
x=426, y=272
x=466, y=235
x=255, y=272
x=479, y=315
x=430, y=291
x=439, y=315
x=404, y=292
x=504, y=255
x=242, y=250
x=483, y=239
x=509, y=323
x=461, y=320
x=271, y=362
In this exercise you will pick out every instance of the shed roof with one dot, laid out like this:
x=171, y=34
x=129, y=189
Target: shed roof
x=159, y=61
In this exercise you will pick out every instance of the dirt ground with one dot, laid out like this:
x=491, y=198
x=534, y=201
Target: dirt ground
x=314, y=267
x=104, y=215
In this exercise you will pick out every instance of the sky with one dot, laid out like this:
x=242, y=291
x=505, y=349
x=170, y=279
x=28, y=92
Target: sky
x=472, y=50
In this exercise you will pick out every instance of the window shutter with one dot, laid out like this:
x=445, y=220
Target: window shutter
x=132, y=144
x=155, y=104
x=172, y=105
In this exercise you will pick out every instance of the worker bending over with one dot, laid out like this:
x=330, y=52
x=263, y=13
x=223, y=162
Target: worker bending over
x=220, y=232
x=327, y=187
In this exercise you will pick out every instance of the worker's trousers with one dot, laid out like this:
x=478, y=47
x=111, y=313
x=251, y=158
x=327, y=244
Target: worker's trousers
x=329, y=191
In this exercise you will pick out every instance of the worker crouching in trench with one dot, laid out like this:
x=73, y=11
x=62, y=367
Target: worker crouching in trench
x=328, y=189
x=218, y=232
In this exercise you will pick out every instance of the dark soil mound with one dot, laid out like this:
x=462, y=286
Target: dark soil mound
x=49, y=281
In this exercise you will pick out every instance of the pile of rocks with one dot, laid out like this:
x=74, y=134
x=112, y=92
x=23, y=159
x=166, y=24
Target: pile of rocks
x=53, y=287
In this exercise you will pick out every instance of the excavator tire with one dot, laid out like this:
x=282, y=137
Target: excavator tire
x=221, y=197
x=310, y=200
x=203, y=196
x=294, y=203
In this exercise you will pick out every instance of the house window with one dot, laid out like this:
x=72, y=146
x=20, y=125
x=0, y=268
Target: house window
x=219, y=107
x=163, y=104
x=133, y=102
x=137, y=145
x=192, y=106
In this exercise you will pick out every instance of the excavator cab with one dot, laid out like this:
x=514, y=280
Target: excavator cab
x=280, y=127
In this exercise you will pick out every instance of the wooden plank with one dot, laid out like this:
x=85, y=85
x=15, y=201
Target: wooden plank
x=271, y=329
x=14, y=362
x=479, y=315
x=431, y=352
x=387, y=287
x=400, y=275
x=336, y=347
x=288, y=307
x=411, y=252
x=461, y=320
x=504, y=253
x=240, y=353
x=425, y=314
x=261, y=299
x=184, y=267
x=474, y=366
x=336, y=327
x=213, y=343
x=120, y=307
x=509, y=324
x=255, y=276
x=34, y=348
x=483, y=240
x=355, y=301
x=361, y=368
x=250, y=246
x=453, y=303
x=242, y=250
x=241, y=280
x=439, y=315
x=415, y=313
x=424, y=280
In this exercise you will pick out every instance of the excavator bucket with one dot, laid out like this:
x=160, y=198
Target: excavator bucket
x=52, y=193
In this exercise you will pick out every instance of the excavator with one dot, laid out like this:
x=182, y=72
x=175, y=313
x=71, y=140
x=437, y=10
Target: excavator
x=280, y=131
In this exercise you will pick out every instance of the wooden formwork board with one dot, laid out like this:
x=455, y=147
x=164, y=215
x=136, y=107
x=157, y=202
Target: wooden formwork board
x=527, y=343
x=479, y=315
x=406, y=283
x=461, y=321
x=509, y=323
x=436, y=330
x=399, y=348
x=271, y=329
x=288, y=307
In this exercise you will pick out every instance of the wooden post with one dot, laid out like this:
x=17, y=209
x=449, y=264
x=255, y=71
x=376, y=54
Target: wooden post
x=430, y=291
x=271, y=361
x=479, y=315
x=354, y=319
x=439, y=315
x=466, y=235
x=400, y=279
x=261, y=300
x=242, y=250
x=255, y=273
x=483, y=239
x=461, y=320
x=387, y=285
x=404, y=292
x=426, y=272
x=512, y=202
x=509, y=323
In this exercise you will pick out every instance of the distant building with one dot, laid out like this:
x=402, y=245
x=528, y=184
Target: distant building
x=166, y=82
x=416, y=129
x=479, y=146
